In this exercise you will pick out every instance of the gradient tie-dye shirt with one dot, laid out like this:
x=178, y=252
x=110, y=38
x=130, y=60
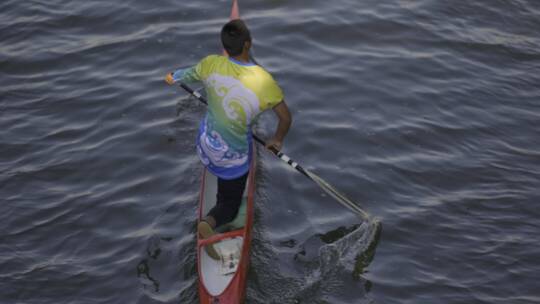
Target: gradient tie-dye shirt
x=237, y=93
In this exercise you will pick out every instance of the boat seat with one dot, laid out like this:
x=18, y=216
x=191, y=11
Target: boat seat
x=238, y=222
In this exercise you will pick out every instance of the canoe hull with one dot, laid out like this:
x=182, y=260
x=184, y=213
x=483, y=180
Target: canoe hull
x=214, y=286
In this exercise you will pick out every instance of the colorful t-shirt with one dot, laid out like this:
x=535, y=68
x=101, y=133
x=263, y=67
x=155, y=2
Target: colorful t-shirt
x=237, y=93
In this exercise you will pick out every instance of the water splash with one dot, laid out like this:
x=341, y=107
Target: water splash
x=353, y=252
x=335, y=271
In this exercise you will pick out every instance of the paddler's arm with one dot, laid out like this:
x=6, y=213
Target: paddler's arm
x=189, y=75
x=285, y=120
x=185, y=75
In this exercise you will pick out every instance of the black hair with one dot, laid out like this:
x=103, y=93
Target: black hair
x=233, y=36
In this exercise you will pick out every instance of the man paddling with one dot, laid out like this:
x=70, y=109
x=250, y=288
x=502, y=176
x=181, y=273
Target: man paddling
x=238, y=90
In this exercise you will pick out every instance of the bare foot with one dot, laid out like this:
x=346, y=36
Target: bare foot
x=206, y=231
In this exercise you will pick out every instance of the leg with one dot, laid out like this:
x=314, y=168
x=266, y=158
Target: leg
x=229, y=198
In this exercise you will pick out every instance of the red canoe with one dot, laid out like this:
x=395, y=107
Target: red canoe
x=224, y=281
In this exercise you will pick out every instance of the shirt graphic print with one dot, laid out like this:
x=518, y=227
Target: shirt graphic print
x=237, y=93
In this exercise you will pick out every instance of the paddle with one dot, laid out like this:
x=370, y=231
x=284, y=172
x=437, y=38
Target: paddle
x=319, y=181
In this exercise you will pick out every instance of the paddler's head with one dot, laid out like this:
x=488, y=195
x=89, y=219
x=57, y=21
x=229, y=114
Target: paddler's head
x=236, y=38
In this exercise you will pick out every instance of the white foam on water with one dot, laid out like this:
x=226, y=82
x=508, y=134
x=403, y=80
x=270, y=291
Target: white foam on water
x=338, y=276
x=350, y=250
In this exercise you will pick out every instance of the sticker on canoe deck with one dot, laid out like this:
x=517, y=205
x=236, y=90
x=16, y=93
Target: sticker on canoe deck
x=229, y=252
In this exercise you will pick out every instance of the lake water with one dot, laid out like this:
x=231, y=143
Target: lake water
x=426, y=113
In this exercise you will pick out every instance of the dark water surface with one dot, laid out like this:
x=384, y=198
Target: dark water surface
x=426, y=113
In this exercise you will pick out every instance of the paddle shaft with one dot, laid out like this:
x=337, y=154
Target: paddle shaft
x=276, y=152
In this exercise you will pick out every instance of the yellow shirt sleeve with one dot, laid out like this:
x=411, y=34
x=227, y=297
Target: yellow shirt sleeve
x=271, y=93
x=194, y=73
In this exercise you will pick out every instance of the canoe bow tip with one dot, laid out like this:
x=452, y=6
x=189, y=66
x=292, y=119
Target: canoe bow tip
x=235, y=13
